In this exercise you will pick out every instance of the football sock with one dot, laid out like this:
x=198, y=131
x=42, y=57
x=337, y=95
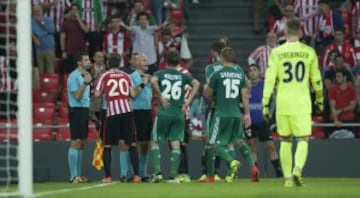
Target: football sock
x=223, y=154
x=134, y=159
x=217, y=163
x=80, y=156
x=246, y=152
x=107, y=161
x=286, y=158
x=232, y=153
x=210, y=161
x=301, y=154
x=124, y=156
x=144, y=160
x=183, y=168
x=155, y=158
x=277, y=167
x=174, y=162
x=73, y=162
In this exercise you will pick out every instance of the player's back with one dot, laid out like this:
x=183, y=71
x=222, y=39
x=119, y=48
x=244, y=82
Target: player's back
x=294, y=63
x=172, y=86
x=226, y=84
x=210, y=69
x=116, y=85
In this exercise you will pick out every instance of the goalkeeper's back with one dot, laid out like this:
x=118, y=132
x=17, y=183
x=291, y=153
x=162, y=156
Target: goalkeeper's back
x=292, y=66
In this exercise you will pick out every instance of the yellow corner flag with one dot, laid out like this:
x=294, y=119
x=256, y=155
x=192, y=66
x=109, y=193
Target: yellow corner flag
x=97, y=161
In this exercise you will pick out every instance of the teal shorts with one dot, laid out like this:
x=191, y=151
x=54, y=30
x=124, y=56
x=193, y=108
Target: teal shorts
x=167, y=128
x=225, y=130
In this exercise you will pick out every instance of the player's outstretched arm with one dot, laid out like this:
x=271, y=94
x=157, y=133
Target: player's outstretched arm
x=195, y=88
x=156, y=89
x=245, y=93
x=316, y=82
x=270, y=79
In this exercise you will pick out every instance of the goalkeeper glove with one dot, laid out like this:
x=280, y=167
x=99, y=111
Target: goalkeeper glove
x=266, y=113
x=319, y=104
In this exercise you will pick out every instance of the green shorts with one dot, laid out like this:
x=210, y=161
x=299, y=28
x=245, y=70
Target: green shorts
x=225, y=130
x=167, y=128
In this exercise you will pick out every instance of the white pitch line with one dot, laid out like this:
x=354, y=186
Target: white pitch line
x=41, y=194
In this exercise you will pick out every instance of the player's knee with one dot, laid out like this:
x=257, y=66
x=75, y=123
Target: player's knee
x=240, y=141
x=77, y=144
x=303, y=138
x=175, y=145
x=287, y=138
x=230, y=147
x=270, y=146
x=123, y=146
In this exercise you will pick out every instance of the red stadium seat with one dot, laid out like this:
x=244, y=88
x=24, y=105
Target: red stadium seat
x=63, y=133
x=44, y=111
x=318, y=132
x=42, y=134
x=8, y=134
x=49, y=82
x=41, y=96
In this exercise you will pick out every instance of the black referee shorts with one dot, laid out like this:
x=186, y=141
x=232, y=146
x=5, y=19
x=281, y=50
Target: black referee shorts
x=79, y=122
x=119, y=127
x=259, y=130
x=143, y=124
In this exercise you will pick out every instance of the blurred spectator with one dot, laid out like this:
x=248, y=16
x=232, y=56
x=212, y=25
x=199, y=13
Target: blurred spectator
x=344, y=48
x=330, y=75
x=279, y=26
x=345, y=13
x=116, y=40
x=114, y=7
x=72, y=38
x=143, y=39
x=329, y=21
x=165, y=43
x=213, y=56
x=138, y=7
x=43, y=38
x=342, y=97
x=332, y=54
x=55, y=9
x=355, y=24
x=91, y=13
x=275, y=11
x=169, y=5
x=308, y=12
x=261, y=54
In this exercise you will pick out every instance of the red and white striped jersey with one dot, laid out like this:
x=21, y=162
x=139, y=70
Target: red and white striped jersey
x=115, y=42
x=108, y=10
x=7, y=83
x=356, y=14
x=346, y=50
x=308, y=11
x=56, y=12
x=89, y=13
x=279, y=27
x=261, y=56
x=116, y=84
x=188, y=89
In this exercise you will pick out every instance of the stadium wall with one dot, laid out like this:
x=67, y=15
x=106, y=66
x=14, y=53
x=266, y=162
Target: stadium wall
x=327, y=158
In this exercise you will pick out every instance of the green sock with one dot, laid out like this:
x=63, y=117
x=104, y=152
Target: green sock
x=223, y=154
x=286, y=158
x=210, y=160
x=174, y=162
x=155, y=158
x=301, y=154
x=246, y=152
x=232, y=153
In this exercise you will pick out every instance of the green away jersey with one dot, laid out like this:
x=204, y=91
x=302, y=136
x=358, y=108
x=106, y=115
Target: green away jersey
x=226, y=85
x=172, y=87
x=210, y=69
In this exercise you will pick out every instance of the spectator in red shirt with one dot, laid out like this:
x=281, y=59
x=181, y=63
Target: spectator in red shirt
x=342, y=98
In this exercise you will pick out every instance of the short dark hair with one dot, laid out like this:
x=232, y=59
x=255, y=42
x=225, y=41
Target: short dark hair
x=343, y=72
x=293, y=26
x=323, y=1
x=114, y=61
x=79, y=56
x=75, y=4
x=115, y=16
x=339, y=56
x=166, y=31
x=228, y=54
x=142, y=14
x=255, y=65
x=339, y=29
x=173, y=58
x=217, y=46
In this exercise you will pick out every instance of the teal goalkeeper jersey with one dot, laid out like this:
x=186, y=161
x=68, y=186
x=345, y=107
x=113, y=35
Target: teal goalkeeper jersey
x=226, y=84
x=172, y=87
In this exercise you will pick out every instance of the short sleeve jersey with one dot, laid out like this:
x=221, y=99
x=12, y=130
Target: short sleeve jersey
x=172, y=87
x=226, y=85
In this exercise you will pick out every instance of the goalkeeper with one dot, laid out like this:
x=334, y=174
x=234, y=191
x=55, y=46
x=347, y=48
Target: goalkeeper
x=293, y=66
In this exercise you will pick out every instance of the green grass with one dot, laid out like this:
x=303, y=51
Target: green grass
x=315, y=187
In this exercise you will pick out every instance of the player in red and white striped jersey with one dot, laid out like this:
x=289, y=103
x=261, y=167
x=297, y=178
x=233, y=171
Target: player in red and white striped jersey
x=261, y=54
x=116, y=40
x=119, y=127
x=8, y=88
x=308, y=12
x=355, y=21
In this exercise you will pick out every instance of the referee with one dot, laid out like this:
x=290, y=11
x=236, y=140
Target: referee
x=78, y=86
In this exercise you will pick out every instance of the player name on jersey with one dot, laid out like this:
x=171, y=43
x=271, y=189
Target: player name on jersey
x=172, y=77
x=230, y=75
x=298, y=54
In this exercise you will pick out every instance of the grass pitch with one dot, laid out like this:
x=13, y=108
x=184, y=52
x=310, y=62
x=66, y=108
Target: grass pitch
x=315, y=187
